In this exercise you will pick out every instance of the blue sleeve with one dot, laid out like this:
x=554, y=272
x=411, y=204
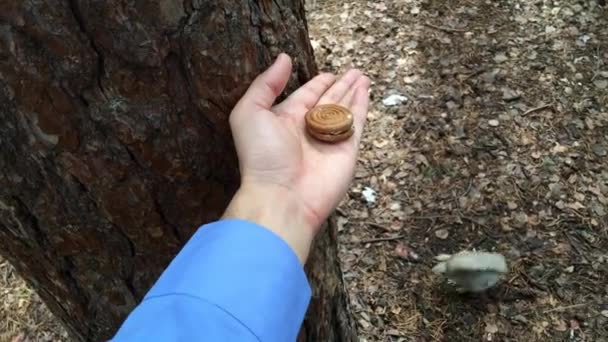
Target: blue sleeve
x=232, y=281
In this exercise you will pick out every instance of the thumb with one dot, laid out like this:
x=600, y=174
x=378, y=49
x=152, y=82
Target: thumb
x=268, y=86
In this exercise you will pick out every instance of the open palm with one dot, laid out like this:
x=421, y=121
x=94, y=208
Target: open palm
x=275, y=150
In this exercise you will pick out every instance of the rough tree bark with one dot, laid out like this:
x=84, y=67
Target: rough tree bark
x=115, y=145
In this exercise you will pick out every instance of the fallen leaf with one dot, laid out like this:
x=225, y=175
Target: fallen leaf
x=558, y=148
x=574, y=325
x=341, y=222
x=491, y=328
x=500, y=57
x=575, y=205
x=511, y=205
x=520, y=318
x=560, y=325
x=405, y=252
x=393, y=332
x=19, y=338
x=364, y=324
x=381, y=143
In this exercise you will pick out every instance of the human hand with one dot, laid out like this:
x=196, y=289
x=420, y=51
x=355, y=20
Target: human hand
x=290, y=182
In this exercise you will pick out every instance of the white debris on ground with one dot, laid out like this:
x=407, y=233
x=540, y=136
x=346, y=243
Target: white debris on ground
x=394, y=100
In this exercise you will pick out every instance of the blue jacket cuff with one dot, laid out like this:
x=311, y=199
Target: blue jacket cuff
x=247, y=271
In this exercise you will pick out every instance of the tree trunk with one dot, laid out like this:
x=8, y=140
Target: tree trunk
x=329, y=317
x=115, y=144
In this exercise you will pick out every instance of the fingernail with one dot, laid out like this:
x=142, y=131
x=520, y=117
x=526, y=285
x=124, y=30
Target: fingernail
x=282, y=55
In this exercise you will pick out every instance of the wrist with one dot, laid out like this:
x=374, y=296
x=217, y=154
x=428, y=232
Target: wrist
x=277, y=209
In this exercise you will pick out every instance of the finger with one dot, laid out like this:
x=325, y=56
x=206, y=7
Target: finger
x=307, y=95
x=264, y=90
x=350, y=95
x=340, y=88
x=360, y=107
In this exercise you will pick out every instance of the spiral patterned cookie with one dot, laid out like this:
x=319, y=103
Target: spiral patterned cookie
x=330, y=123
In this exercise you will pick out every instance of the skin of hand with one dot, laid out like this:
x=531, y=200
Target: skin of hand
x=291, y=183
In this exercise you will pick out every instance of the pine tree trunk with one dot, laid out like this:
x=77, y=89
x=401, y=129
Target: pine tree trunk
x=115, y=144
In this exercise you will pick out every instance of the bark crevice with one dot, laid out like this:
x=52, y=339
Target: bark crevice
x=100, y=71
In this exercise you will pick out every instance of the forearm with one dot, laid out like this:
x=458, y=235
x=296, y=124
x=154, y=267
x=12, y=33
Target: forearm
x=277, y=209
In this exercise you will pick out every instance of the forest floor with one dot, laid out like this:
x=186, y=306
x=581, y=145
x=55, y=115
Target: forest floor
x=496, y=140
x=500, y=144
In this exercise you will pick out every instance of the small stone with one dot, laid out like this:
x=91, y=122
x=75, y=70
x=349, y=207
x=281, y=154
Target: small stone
x=489, y=77
x=350, y=46
x=509, y=94
x=561, y=280
x=599, y=150
x=493, y=123
x=512, y=205
x=556, y=189
x=598, y=209
x=604, y=74
x=568, y=90
x=491, y=328
x=451, y=105
x=369, y=39
x=569, y=269
x=520, y=219
x=604, y=313
x=410, y=79
x=578, y=76
x=601, y=84
x=442, y=234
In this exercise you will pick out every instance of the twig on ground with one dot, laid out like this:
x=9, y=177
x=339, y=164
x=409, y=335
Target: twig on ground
x=445, y=29
x=536, y=109
x=473, y=74
x=384, y=239
x=567, y=307
x=379, y=226
x=466, y=192
x=576, y=247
